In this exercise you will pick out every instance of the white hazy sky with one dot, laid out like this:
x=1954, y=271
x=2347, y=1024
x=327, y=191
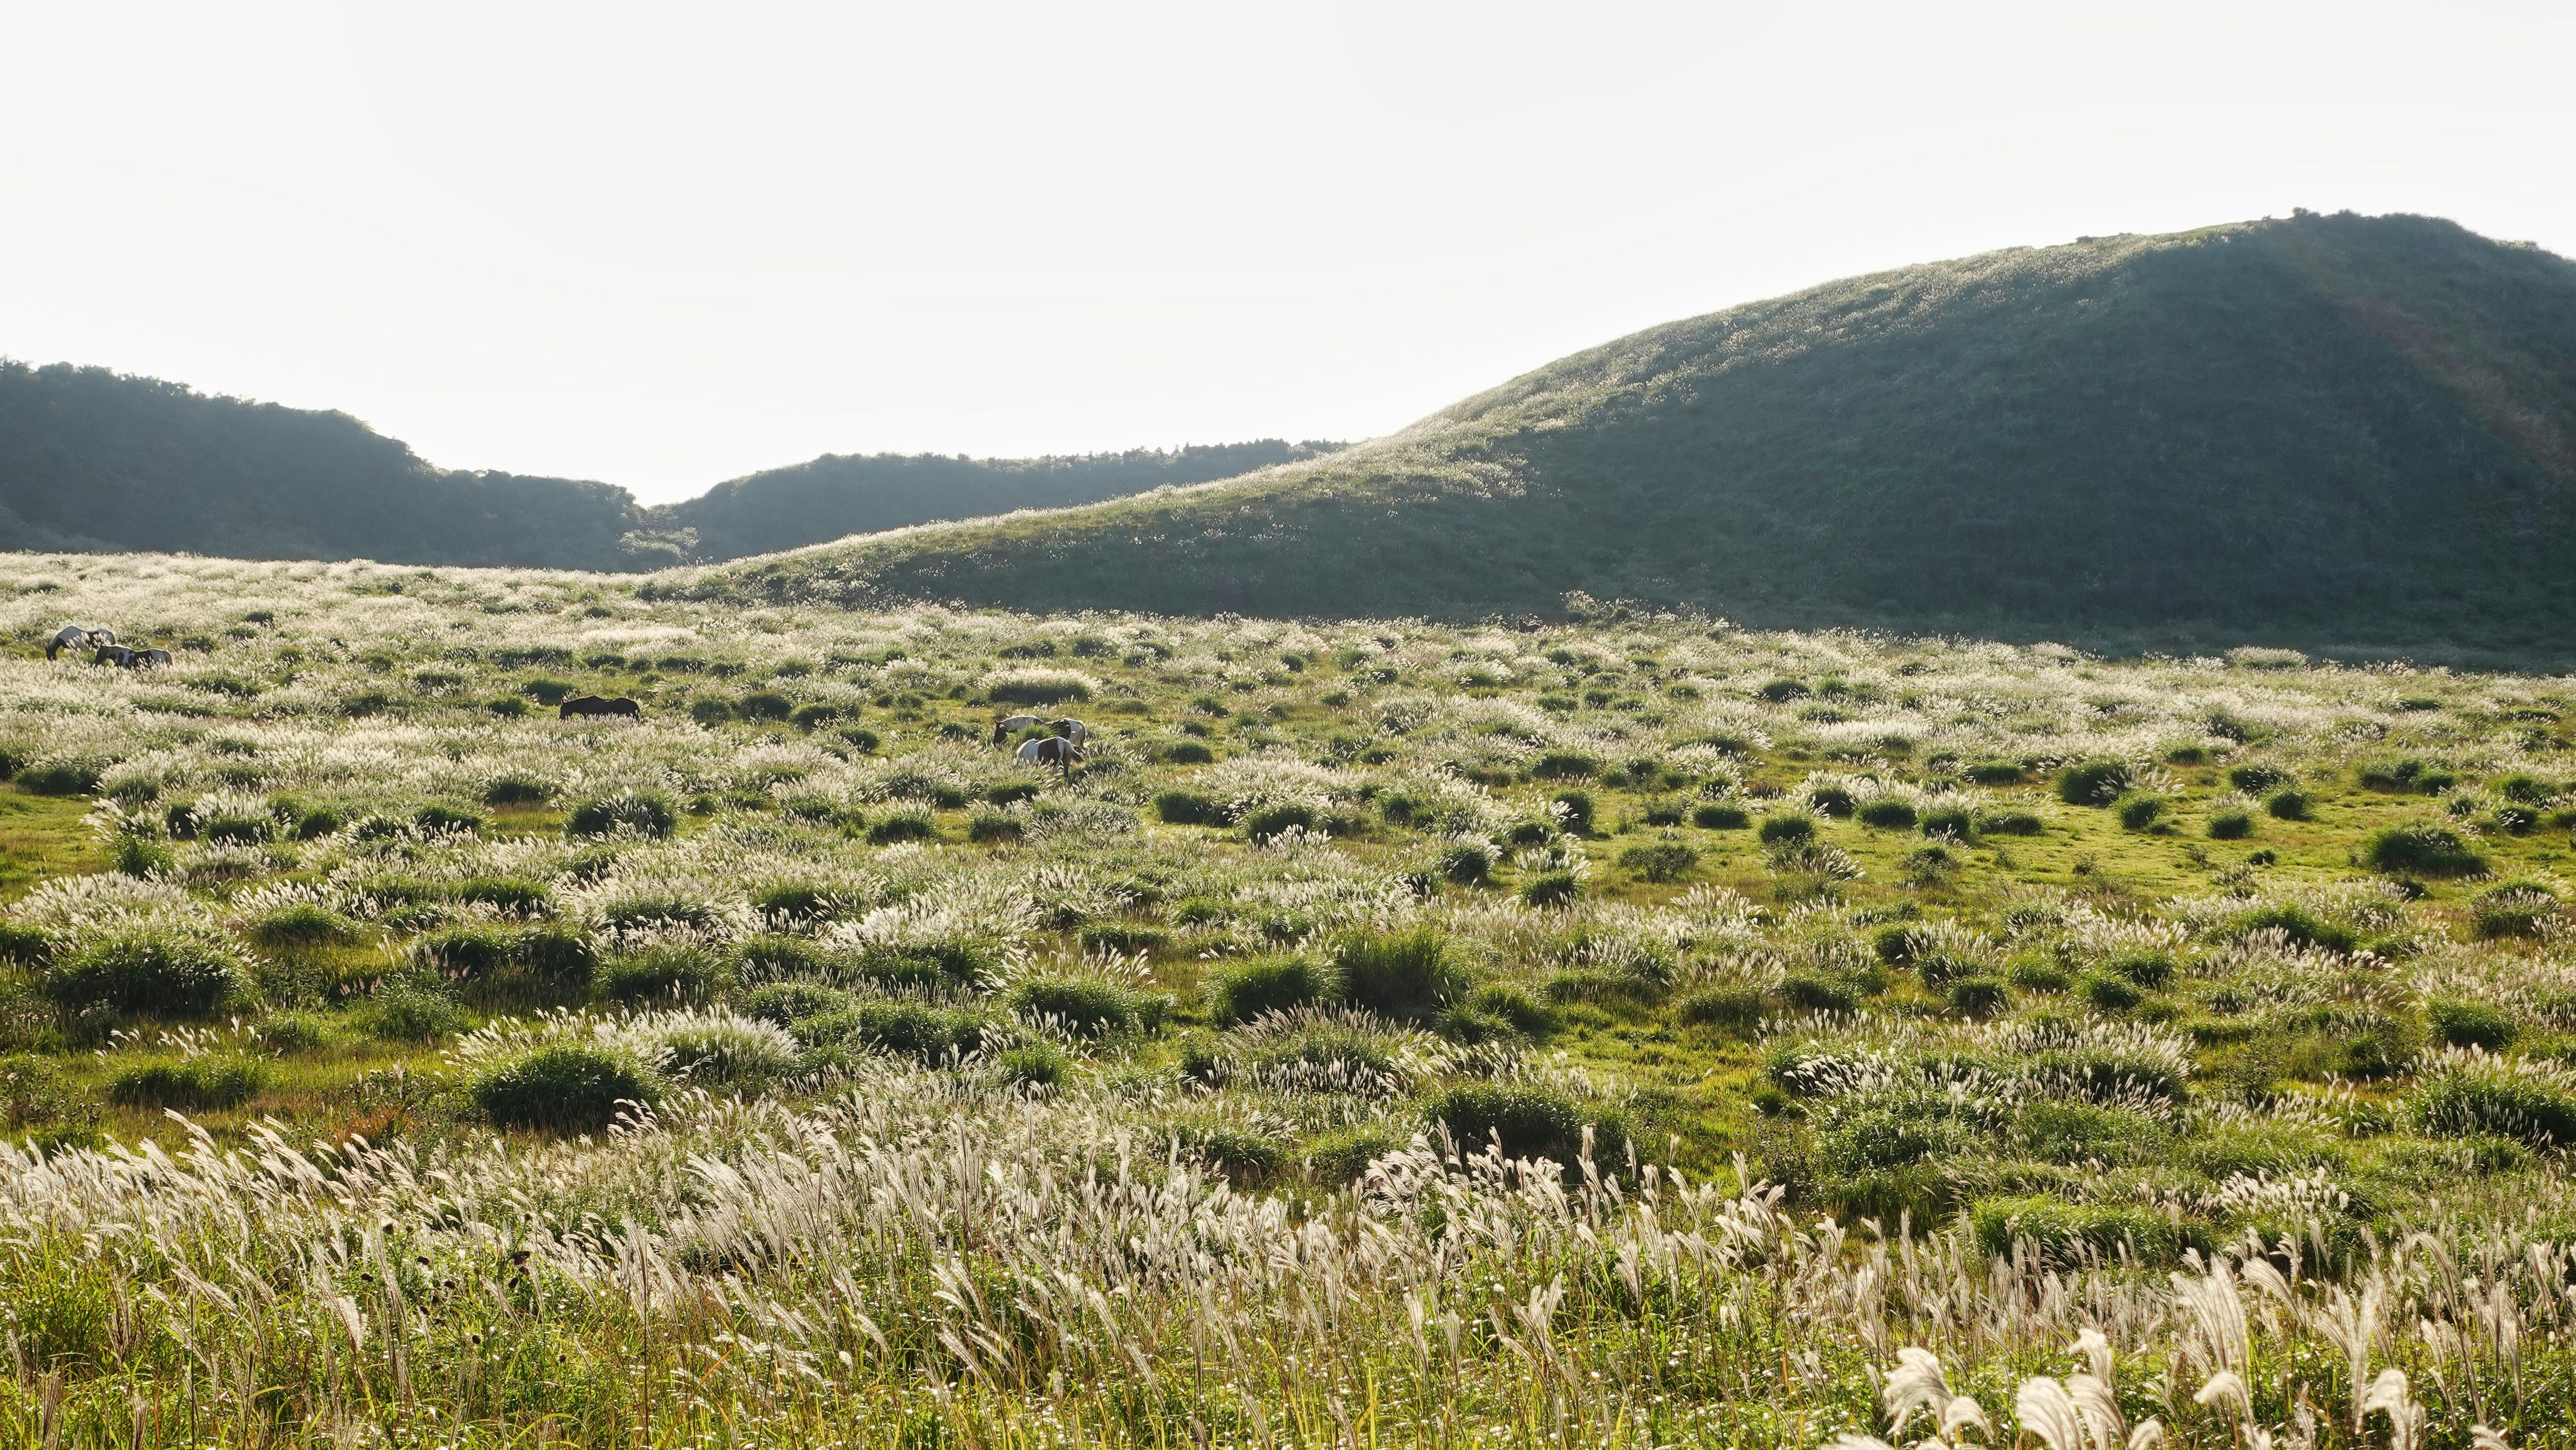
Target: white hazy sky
x=664, y=245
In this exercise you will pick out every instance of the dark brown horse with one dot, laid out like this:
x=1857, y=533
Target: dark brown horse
x=580, y=705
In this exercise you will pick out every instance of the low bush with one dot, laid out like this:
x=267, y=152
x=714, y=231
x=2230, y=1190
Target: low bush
x=1720, y=817
x=1812, y=992
x=436, y=819
x=1949, y=822
x=2230, y=825
x=1995, y=772
x=2256, y=779
x=564, y=1087
x=2010, y=823
x=2140, y=811
x=2287, y=805
x=995, y=828
x=1468, y=863
x=1565, y=765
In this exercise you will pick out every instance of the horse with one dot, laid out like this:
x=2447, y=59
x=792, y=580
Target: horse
x=1063, y=754
x=596, y=705
x=78, y=636
x=114, y=654
x=1073, y=730
x=144, y=657
x=1010, y=725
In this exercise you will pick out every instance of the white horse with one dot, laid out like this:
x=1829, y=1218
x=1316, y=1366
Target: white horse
x=1063, y=754
x=1010, y=725
x=79, y=637
x=1073, y=730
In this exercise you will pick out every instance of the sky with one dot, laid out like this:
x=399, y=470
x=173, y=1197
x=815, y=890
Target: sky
x=666, y=245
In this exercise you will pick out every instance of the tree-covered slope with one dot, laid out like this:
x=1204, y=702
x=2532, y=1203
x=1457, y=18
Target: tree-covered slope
x=95, y=459
x=92, y=459
x=2345, y=427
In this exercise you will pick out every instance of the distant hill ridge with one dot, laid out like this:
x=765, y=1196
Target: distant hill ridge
x=96, y=460
x=2328, y=427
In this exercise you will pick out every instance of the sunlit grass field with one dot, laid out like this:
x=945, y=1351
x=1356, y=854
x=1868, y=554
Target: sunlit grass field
x=1633, y=1032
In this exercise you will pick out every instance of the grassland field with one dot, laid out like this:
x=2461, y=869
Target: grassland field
x=1637, y=1032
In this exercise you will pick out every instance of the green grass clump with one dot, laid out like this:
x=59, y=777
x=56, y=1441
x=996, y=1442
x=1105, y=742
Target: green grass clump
x=2010, y=823
x=411, y=1012
x=149, y=972
x=787, y=1003
x=2457, y=1022
x=1720, y=817
x=564, y=1087
x=2139, y=812
x=2420, y=848
x=1187, y=808
x=1267, y=984
x=2064, y=1233
x=1267, y=822
x=1661, y=862
x=2288, y=805
x=646, y=813
x=2491, y=1097
x=1034, y=1065
x=1888, y=815
x=1403, y=974
x=1091, y=1006
x=189, y=1085
x=2230, y=825
x=2512, y=909
x=1529, y=1121
x=1787, y=829
x=301, y=926
x=2093, y=783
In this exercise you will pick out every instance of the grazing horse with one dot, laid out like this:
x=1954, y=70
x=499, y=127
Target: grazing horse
x=1073, y=730
x=144, y=657
x=114, y=654
x=78, y=636
x=596, y=705
x=1063, y=754
x=1010, y=725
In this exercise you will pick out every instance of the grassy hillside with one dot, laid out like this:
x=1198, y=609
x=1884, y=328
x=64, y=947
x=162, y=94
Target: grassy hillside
x=99, y=461
x=838, y=495
x=2336, y=428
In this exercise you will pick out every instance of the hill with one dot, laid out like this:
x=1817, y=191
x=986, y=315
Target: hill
x=91, y=459
x=2326, y=428
x=838, y=495
x=97, y=460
